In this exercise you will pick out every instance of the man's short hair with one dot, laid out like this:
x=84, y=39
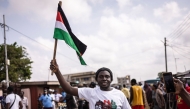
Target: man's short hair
x=155, y=86
x=10, y=89
x=124, y=85
x=104, y=69
x=134, y=81
x=92, y=84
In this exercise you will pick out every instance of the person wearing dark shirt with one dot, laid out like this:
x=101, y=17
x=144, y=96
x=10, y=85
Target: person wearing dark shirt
x=148, y=92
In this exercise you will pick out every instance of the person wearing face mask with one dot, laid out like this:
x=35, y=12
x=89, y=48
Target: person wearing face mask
x=46, y=100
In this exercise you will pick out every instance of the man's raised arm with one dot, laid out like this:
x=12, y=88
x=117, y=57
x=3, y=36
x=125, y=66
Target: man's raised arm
x=181, y=91
x=64, y=84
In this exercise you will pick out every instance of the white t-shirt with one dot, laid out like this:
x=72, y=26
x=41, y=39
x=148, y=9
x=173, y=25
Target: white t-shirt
x=10, y=99
x=57, y=97
x=53, y=98
x=98, y=98
x=24, y=102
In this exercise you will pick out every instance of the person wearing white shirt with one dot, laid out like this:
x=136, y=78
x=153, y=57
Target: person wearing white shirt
x=53, y=97
x=24, y=100
x=13, y=101
x=100, y=97
x=57, y=98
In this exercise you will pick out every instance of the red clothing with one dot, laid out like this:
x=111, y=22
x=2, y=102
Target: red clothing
x=188, y=89
x=138, y=107
x=180, y=103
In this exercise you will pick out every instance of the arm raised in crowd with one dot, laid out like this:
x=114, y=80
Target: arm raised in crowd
x=64, y=84
x=181, y=91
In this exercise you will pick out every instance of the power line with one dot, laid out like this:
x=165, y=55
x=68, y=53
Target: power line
x=177, y=30
x=183, y=48
x=39, y=42
x=44, y=45
x=179, y=53
x=178, y=44
x=181, y=32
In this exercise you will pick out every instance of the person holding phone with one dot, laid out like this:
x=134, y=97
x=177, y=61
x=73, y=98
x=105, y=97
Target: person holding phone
x=180, y=90
x=180, y=102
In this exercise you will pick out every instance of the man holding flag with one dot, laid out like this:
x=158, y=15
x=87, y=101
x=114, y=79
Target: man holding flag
x=103, y=95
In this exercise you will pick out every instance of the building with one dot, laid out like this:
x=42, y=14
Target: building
x=32, y=90
x=185, y=74
x=81, y=78
x=124, y=80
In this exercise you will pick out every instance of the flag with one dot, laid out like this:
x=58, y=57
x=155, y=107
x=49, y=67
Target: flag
x=63, y=32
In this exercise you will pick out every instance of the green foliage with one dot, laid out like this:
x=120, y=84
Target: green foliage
x=20, y=65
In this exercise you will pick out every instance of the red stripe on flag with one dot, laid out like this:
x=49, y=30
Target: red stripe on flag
x=59, y=18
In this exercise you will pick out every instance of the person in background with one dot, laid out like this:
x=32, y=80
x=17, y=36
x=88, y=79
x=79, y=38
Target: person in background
x=160, y=98
x=180, y=90
x=53, y=97
x=64, y=94
x=71, y=101
x=46, y=100
x=136, y=93
x=24, y=100
x=155, y=94
x=13, y=101
x=140, y=84
x=3, y=101
x=161, y=86
x=92, y=85
x=57, y=98
x=180, y=102
x=126, y=92
x=148, y=92
x=39, y=103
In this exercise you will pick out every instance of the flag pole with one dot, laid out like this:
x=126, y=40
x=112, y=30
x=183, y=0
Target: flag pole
x=55, y=45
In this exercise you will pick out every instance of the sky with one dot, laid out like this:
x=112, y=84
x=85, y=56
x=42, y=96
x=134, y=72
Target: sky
x=124, y=35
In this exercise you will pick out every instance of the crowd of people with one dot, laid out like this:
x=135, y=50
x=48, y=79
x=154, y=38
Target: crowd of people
x=10, y=100
x=101, y=95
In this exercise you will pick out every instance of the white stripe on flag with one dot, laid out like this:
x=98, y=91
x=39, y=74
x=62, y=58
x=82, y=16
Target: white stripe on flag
x=60, y=25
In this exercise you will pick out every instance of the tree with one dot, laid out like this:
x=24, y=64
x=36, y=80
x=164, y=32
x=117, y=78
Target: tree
x=20, y=64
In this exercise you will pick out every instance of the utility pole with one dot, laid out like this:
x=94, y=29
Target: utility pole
x=6, y=61
x=165, y=55
x=176, y=64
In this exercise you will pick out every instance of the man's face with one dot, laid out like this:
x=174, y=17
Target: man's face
x=45, y=91
x=21, y=94
x=104, y=79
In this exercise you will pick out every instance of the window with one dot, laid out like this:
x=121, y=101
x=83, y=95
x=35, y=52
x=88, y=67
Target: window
x=86, y=79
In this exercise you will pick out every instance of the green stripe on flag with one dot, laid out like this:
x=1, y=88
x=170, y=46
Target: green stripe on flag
x=62, y=35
